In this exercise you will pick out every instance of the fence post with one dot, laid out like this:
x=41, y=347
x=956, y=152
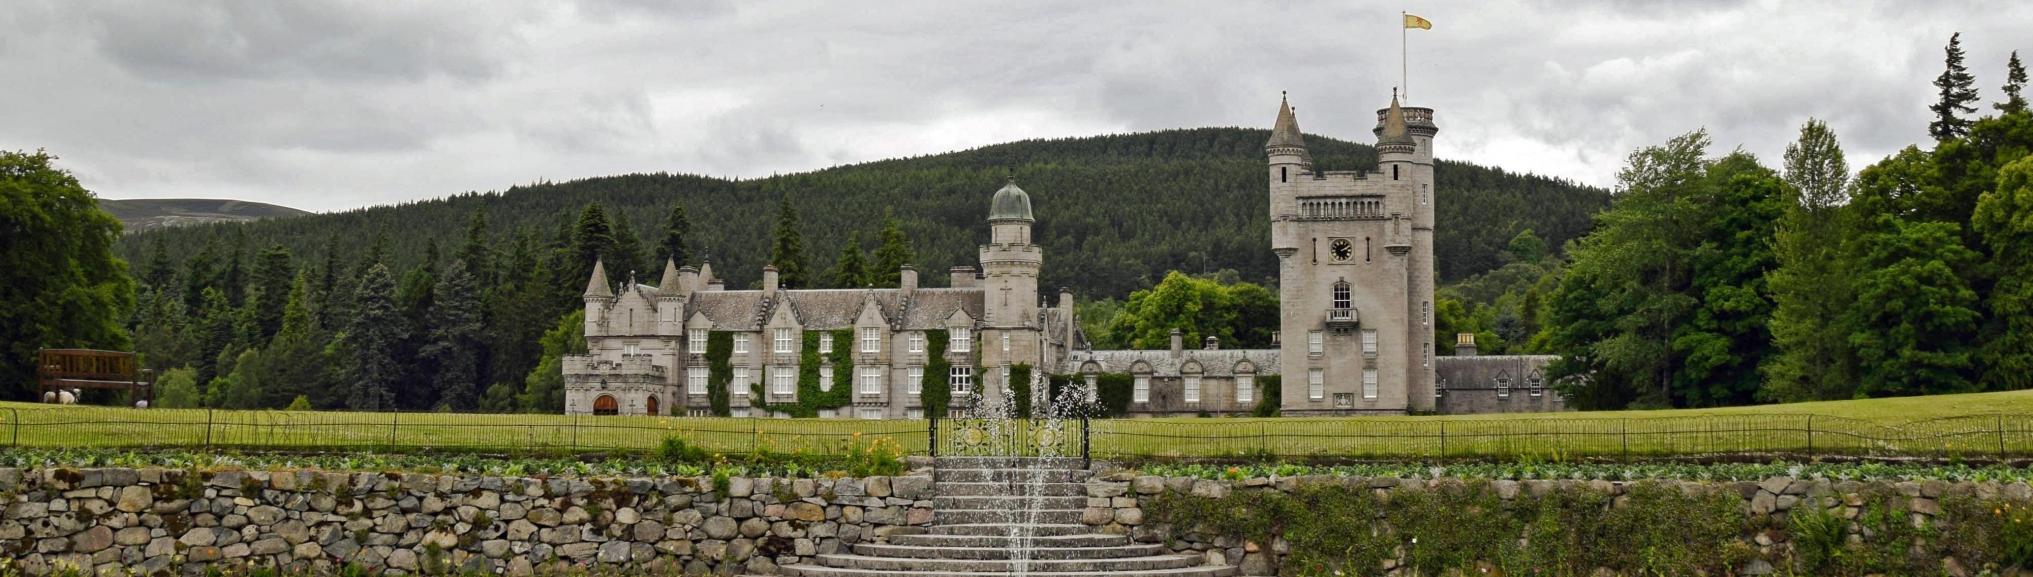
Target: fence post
x=1810, y=435
x=15, y=416
x=575, y=433
x=1443, y=439
x=1086, y=457
x=394, y=421
x=754, y=435
x=1627, y=439
x=932, y=435
x=208, y=427
x=2001, y=436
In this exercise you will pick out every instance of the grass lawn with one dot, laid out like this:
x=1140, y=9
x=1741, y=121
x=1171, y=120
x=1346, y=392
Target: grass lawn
x=1976, y=425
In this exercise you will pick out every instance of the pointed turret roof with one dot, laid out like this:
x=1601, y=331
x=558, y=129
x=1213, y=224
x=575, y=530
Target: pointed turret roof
x=1394, y=124
x=597, y=286
x=669, y=285
x=1286, y=131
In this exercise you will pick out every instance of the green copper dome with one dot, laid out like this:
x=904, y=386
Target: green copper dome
x=1011, y=203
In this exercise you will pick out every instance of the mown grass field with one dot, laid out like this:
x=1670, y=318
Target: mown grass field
x=1986, y=425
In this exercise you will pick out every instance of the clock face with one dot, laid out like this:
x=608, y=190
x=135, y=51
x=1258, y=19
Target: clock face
x=1341, y=249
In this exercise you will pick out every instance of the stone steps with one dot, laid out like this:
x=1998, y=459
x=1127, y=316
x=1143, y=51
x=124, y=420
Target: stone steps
x=1006, y=516
x=1076, y=540
x=999, y=548
x=823, y=571
x=940, y=476
x=1004, y=489
x=1001, y=529
x=895, y=564
x=1001, y=503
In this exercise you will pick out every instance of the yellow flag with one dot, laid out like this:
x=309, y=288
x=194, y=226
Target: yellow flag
x=1417, y=22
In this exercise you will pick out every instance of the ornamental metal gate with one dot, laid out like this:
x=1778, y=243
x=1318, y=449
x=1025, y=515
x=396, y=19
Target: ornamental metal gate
x=975, y=437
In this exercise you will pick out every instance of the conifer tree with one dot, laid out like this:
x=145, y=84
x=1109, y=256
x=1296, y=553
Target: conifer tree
x=2004, y=219
x=592, y=240
x=273, y=279
x=477, y=254
x=455, y=340
x=892, y=254
x=1958, y=91
x=374, y=336
x=851, y=270
x=627, y=258
x=2015, y=85
x=161, y=272
x=1811, y=286
x=676, y=227
x=787, y=251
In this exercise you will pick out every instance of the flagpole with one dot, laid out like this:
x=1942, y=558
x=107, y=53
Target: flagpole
x=1404, y=81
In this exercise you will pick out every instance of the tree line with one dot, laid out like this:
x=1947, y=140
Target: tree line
x=1725, y=281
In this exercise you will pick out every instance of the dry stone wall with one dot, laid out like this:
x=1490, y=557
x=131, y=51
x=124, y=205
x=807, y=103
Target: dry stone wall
x=156, y=521
x=1116, y=504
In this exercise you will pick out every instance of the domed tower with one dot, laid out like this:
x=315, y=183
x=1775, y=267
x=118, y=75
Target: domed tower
x=1009, y=264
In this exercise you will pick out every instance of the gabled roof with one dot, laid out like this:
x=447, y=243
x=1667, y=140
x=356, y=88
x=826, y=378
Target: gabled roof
x=1215, y=363
x=832, y=309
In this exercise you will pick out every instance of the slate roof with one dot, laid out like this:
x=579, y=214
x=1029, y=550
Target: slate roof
x=1482, y=371
x=829, y=309
x=1215, y=363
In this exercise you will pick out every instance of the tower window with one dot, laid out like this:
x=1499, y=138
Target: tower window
x=1284, y=174
x=1369, y=383
x=1394, y=172
x=1316, y=383
x=1365, y=249
x=1341, y=295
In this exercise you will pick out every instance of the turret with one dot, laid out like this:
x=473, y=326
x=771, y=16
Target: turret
x=1287, y=148
x=671, y=291
x=598, y=296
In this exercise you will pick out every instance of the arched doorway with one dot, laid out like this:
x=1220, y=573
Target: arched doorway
x=653, y=407
x=605, y=405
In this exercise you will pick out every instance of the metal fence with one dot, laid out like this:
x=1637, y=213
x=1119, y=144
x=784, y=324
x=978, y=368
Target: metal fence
x=1570, y=436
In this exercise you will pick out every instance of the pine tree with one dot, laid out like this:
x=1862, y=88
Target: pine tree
x=198, y=274
x=272, y=281
x=1958, y=91
x=627, y=258
x=787, y=252
x=1914, y=315
x=161, y=272
x=2004, y=219
x=455, y=340
x=477, y=254
x=892, y=254
x=676, y=227
x=851, y=270
x=2015, y=84
x=374, y=335
x=544, y=388
x=1811, y=286
x=592, y=240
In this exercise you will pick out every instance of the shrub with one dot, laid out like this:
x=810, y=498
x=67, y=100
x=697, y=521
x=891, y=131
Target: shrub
x=674, y=449
x=1817, y=538
x=178, y=389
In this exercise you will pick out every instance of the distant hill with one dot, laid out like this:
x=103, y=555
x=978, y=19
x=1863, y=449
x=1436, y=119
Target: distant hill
x=144, y=214
x=1114, y=212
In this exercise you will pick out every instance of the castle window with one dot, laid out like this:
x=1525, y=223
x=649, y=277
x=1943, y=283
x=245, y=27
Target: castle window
x=1245, y=388
x=1316, y=342
x=871, y=381
x=741, y=344
x=826, y=377
x=1394, y=172
x=781, y=381
x=783, y=340
x=1365, y=249
x=961, y=380
x=826, y=343
x=738, y=412
x=870, y=413
x=1535, y=383
x=914, y=380
x=1341, y=295
x=1316, y=383
x=1141, y=392
x=1005, y=343
x=1503, y=382
x=696, y=341
x=739, y=387
x=1369, y=343
x=1369, y=383
x=1284, y=174
x=961, y=341
x=1426, y=355
x=631, y=348
x=917, y=342
x=1192, y=388
x=1425, y=313
x=695, y=381
x=871, y=340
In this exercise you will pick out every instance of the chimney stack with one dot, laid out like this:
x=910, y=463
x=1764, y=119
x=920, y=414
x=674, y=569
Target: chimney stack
x=1213, y=343
x=907, y=279
x=963, y=277
x=769, y=280
x=688, y=279
x=1178, y=343
x=1464, y=345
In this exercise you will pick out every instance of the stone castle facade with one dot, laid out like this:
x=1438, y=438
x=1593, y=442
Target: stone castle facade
x=1356, y=281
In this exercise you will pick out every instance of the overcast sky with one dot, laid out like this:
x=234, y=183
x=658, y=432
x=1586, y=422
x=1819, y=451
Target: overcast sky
x=335, y=105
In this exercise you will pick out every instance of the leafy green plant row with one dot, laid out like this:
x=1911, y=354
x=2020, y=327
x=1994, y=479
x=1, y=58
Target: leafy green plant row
x=1652, y=529
x=870, y=458
x=1528, y=470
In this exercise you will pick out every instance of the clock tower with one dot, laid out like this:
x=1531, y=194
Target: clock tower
x=1355, y=268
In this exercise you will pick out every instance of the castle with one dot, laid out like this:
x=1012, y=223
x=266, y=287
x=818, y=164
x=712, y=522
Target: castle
x=1355, y=255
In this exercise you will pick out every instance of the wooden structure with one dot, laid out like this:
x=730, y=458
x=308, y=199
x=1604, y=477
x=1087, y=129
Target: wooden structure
x=58, y=370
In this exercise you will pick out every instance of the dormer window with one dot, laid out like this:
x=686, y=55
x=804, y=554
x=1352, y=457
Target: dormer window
x=1503, y=384
x=826, y=343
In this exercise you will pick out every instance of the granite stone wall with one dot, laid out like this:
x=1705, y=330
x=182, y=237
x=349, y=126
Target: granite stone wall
x=156, y=521
x=1115, y=505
